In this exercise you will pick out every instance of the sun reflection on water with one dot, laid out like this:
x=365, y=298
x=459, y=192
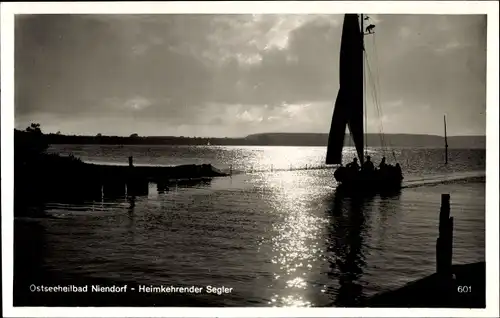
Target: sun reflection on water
x=296, y=240
x=290, y=301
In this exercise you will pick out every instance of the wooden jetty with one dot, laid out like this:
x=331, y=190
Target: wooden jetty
x=136, y=179
x=67, y=178
x=452, y=286
x=164, y=174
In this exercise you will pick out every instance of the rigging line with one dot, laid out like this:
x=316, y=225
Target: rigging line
x=381, y=125
x=372, y=91
x=378, y=84
x=381, y=129
x=378, y=108
x=375, y=99
x=381, y=136
x=377, y=76
x=375, y=82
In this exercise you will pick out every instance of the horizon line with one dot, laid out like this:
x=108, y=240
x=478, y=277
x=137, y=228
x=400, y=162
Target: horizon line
x=254, y=134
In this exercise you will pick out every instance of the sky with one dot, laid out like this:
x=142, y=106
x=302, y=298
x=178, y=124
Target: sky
x=234, y=75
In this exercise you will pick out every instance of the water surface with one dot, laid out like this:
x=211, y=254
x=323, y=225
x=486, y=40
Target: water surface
x=280, y=238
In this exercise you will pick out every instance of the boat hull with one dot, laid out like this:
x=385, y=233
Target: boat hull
x=364, y=181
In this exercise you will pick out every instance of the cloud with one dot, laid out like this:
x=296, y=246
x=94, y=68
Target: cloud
x=241, y=73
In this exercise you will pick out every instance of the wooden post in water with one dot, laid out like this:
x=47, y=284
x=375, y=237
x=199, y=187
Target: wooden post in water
x=135, y=183
x=444, y=244
x=445, y=143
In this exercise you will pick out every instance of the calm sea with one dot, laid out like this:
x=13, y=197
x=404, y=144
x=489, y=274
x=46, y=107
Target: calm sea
x=277, y=237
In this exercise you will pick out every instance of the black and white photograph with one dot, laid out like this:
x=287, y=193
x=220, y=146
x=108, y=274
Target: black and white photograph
x=249, y=159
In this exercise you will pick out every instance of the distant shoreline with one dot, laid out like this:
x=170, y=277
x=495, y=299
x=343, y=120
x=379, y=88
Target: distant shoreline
x=301, y=146
x=272, y=139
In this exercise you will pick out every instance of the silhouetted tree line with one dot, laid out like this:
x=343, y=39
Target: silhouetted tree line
x=269, y=139
x=29, y=145
x=38, y=174
x=135, y=139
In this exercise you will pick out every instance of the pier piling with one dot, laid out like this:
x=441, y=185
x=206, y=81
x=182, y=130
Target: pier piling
x=450, y=287
x=444, y=243
x=136, y=184
x=113, y=188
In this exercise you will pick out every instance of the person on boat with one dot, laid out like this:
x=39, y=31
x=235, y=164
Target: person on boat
x=368, y=165
x=369, y=29
x=382, y=168
x=354, y=164
x=382, y=164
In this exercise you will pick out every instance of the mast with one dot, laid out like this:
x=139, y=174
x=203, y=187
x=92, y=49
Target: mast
x=348, y=109
x=445, y=143
x=364, y=86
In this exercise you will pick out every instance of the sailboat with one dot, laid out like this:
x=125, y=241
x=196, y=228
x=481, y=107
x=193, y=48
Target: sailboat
x=348, y=111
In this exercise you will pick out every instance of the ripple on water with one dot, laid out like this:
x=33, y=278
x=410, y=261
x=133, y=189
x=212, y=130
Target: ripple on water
x=278, y=239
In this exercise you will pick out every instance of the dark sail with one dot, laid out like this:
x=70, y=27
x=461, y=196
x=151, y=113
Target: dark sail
x=349, y=104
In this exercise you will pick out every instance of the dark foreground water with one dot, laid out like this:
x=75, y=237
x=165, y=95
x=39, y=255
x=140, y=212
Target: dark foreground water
x=281, y=238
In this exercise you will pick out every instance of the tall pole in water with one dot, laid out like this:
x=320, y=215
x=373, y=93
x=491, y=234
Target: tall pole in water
x=445, y=143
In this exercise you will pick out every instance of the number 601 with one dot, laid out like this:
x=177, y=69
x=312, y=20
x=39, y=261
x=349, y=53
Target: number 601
x=464, y=289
